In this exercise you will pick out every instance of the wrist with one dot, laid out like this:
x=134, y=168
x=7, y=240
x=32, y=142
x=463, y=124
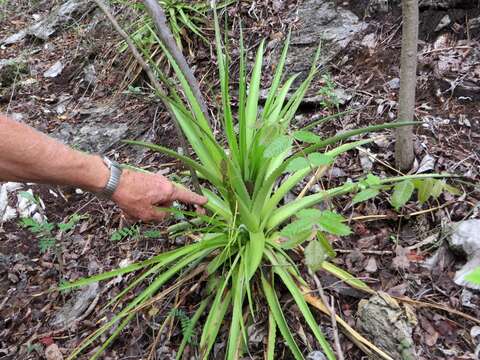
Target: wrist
x=96, y=173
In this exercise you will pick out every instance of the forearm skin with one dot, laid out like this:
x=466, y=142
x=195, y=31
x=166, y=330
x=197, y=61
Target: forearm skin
x=27, y=155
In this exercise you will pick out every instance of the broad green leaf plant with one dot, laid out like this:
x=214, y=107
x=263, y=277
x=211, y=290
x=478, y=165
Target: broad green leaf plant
x=242, y=249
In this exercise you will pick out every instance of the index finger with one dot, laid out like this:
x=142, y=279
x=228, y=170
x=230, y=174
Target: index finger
x=187, y=196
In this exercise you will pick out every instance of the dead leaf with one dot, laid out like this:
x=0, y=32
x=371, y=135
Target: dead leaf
x=401, y=261
x=398, y=290
x=371, y=265
x=47, y=340
x=430, y=335
x=414, y=256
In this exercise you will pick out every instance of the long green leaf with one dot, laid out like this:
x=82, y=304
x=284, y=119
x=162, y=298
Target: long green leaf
x=193, y=321
x=286, y=211
x=302, y=305
x=251, y=108
x=272, y=327
x=272, y=93
x=277, y=313
x=348, y=134
x=254, y=252
x=144, y=295
x=224, y=84
x=213, y=177
x=346, y=277
x=161, y=259
x=214, y=321
x=242, y=102
x=235, y=335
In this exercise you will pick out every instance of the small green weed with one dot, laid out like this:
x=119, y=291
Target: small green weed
x=185, y=322
x=134, y=232
x=29, y=196
x=327, y=91
x=45, y=231
x=126, y=232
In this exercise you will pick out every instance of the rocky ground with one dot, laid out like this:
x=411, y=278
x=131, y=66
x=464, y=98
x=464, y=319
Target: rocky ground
x=61, y=72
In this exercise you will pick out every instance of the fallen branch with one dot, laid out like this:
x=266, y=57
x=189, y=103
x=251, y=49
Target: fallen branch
x=165, y=35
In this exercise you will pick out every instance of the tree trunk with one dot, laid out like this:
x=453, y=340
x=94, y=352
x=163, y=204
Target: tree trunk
x=404, y=155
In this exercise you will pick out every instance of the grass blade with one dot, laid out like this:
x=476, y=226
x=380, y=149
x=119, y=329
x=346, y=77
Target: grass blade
x=214, y=178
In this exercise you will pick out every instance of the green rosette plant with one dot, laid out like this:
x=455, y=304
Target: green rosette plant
x=242, y=252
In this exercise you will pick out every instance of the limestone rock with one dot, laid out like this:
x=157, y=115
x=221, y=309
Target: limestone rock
x=76, y=306
x=388, y=325
x=44, y=28
x=320, y=21
x=447, y=4
x=465, y=238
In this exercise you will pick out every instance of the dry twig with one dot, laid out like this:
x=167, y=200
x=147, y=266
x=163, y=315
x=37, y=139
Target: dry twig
x=165, y=35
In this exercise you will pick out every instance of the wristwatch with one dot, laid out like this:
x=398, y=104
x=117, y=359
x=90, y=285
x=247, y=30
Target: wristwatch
x=113, y=181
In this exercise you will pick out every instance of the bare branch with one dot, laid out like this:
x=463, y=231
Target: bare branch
x=165, y=35
x=153, y=80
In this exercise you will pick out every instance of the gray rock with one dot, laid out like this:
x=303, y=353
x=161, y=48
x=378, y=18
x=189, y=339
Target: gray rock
x=76, y=306
x=320, y=21
x=444, y=22
x=369, y=41
x=44, y=28
x=394, y=84
x=338, y=96
x=54, y=70
x=474, y=23
x=465, y=238
x=447, y=4
x=389, y=326
x=13, y=39
x=90, y=75
x=316, y=355
x=378, y=6
x=427, y=164
x=96, y=137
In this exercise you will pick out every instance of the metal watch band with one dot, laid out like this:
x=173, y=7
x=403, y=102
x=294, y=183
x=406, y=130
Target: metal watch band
x=114, y=180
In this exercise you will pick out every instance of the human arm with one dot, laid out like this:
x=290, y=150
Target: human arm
x=27, y=155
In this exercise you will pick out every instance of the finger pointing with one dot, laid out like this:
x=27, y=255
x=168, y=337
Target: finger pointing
x=187, y=196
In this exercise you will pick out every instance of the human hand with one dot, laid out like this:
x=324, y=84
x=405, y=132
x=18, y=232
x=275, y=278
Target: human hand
x=138, y=193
